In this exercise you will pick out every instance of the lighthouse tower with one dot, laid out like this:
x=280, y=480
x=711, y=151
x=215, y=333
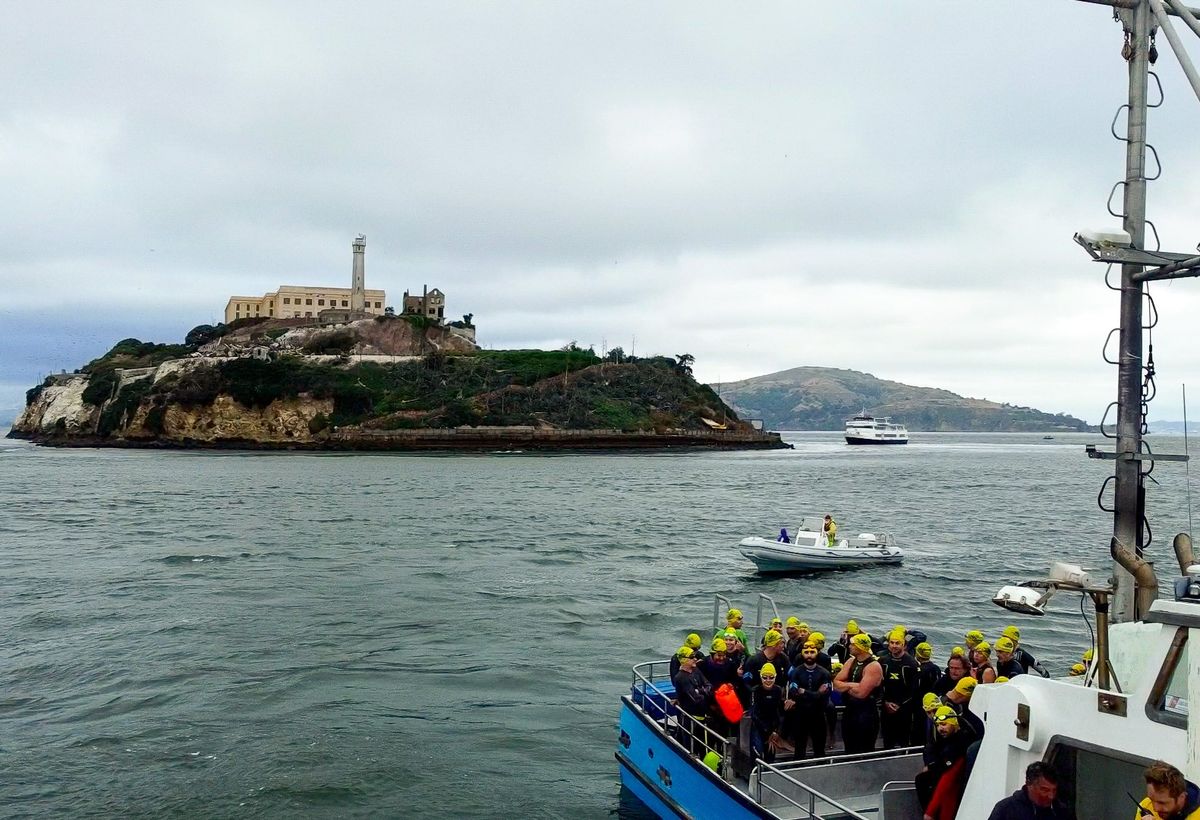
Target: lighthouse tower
x=358, y=285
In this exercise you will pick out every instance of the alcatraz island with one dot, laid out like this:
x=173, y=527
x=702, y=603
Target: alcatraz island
x=327, y=368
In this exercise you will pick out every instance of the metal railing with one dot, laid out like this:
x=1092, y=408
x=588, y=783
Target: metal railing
x=815, y=798
x=697, y=731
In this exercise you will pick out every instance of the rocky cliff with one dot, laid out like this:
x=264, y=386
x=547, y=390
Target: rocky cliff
x=240, y=392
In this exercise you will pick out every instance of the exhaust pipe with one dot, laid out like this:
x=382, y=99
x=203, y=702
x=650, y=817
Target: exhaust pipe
x=1184, y=552
x=1145, y=581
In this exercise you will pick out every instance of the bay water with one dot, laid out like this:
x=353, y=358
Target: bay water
x=219, y=634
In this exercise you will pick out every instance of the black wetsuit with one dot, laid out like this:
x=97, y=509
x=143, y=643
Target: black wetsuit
x=694, y=693
x=969, y=723
x=944, y=684
x=807, y=718
x=860, y=721
x=697, y=654
x=752, y=667
x=928, y=676
x=1028, y=662
x=901, y=677
x=1009, y=668
x=766, y=718
x=839, y=652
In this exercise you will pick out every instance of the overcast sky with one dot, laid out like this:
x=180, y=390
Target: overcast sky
x=884, y=186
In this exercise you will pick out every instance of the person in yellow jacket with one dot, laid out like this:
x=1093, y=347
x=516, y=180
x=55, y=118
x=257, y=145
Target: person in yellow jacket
x=830, y=530
x=1168, y=795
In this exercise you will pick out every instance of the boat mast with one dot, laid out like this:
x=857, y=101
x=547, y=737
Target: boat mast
x=1129, y=500
x=1134, y=581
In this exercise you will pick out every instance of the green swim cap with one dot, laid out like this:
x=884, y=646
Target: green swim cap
x=712, y=760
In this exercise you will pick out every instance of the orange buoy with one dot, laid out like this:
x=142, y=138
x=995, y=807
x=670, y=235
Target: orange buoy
x=728, y=703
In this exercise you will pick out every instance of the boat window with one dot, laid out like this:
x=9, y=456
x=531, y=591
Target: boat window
x=1169, y=699
x=1097, y=782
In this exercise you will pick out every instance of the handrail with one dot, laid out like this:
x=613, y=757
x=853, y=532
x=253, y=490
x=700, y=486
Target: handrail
x=813, y=794
x=710, y=740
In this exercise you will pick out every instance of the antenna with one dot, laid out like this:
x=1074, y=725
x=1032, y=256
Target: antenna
x=1186, y=465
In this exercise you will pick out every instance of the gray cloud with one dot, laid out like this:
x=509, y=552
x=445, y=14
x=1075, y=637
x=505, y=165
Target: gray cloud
x=704, y=177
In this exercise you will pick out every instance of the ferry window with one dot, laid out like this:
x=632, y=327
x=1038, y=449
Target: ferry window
x=1169, y=699
x=1097, y=782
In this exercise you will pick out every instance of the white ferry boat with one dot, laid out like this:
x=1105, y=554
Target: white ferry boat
x=864, y=429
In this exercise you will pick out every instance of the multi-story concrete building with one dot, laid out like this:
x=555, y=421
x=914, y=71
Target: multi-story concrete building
x=300, y=302
x=432, y=304
x=305, y=302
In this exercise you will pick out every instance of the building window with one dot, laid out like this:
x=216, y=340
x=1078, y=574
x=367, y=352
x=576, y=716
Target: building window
x=321, y=302
x=379, y=304
x=345, y=303
x=308, y=313
x=308, y=301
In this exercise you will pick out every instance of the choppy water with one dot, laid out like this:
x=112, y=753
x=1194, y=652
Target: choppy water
x=284, y=635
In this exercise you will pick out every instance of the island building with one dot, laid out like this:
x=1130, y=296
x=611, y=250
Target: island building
x=323, y=304
x=431, y=304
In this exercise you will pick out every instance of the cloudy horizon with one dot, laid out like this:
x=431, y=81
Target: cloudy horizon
x=890, y=188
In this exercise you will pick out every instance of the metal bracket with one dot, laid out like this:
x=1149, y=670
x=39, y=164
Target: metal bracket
x=1092, y=452
x=1111, y=704
x=1022, y=721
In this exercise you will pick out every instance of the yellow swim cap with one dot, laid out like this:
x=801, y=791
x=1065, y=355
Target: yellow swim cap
x=966, y=686
x=862, y=640
x=945, y=714
x=683, y=653
x=851, y=627
x=973, y=637
x=958, y=652
x=693, y=640
x=802, y=625
x=768, y=668
x=1004, y=644
x=928, y=701
x=835, y=665
x=1002, y=679
x=733, y=614
x=924, y=650
x=984, y=647
x=793, y=621
x=1012, y=632
x=817, y=638
x=1077, y=670
x=1089, y=655
x=771, y=638
x=719, y=645
x=776, y=621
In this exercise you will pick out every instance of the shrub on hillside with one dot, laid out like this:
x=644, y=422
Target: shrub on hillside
x=100, y=387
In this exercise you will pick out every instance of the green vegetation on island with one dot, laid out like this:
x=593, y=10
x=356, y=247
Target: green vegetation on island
x=277, y=385
x=822, y=398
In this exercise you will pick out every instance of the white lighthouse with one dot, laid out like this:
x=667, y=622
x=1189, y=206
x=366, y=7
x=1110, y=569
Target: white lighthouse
x=358, y=284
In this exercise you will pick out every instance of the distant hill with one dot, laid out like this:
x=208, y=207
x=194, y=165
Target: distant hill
x=1174, y=427
x=822, y=398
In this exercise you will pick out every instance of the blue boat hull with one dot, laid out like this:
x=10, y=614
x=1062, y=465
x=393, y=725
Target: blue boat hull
x=672, y=783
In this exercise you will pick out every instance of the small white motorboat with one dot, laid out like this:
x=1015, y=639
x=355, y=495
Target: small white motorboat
x=807, y=550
